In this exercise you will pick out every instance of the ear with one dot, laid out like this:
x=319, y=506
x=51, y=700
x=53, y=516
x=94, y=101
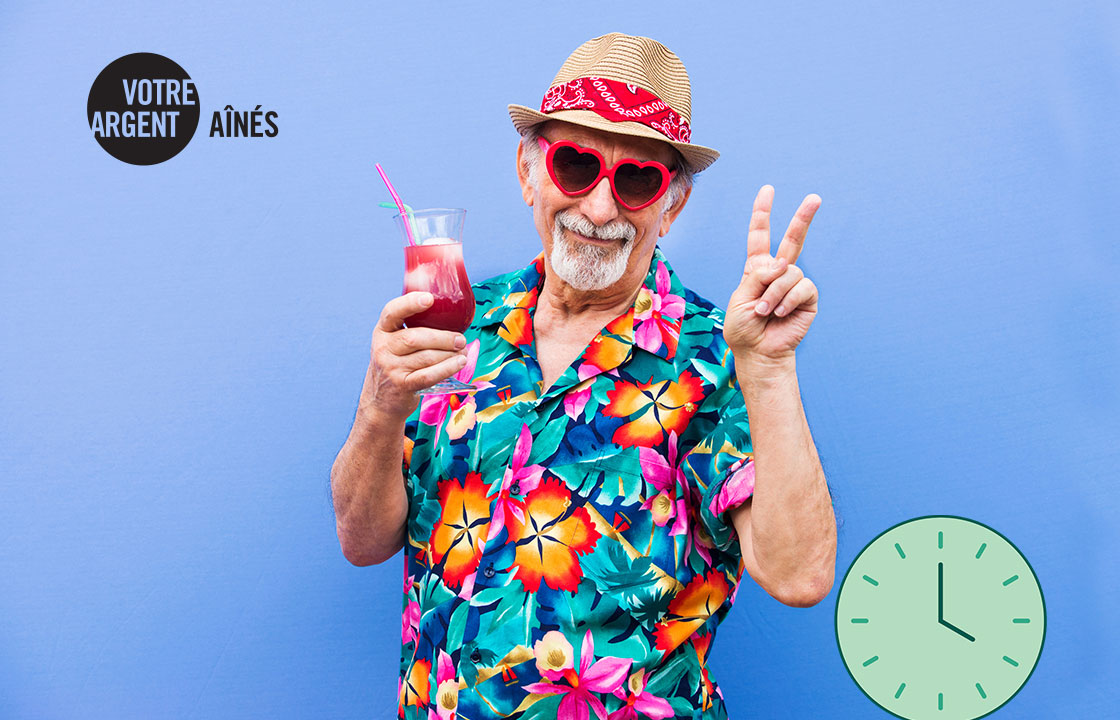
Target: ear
x=671, y=214
x=527, y=190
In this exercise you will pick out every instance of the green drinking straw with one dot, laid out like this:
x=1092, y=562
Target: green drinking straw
x=407, y=217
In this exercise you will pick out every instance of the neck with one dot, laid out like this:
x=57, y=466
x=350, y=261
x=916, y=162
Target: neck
x=565, y=302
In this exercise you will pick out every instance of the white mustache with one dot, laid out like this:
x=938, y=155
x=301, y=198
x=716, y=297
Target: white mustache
x=614, y=230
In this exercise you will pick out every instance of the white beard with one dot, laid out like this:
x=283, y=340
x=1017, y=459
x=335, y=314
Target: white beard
x=585, y=266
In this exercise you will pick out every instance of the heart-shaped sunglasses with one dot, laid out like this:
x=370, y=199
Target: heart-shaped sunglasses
x=576, y=170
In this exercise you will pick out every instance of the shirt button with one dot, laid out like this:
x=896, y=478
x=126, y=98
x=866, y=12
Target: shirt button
x=515, y=488
x=488, y=572
x=476, y=656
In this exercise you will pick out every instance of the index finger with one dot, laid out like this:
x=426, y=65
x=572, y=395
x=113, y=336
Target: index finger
x=399, y=309
x=794, y=239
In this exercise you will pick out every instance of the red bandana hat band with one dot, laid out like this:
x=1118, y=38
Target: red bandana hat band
x=617, y=102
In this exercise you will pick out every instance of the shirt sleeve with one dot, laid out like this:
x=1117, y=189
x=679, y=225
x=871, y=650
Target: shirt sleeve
x=720, y=466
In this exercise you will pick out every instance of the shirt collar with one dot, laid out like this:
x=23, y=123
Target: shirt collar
x=653, y=323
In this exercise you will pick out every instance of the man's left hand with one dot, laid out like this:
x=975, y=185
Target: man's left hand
x=774, y=305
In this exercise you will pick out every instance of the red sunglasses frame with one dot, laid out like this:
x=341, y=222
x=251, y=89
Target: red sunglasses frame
x=550, y=151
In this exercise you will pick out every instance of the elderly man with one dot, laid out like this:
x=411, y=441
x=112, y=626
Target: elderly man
x=575, y=529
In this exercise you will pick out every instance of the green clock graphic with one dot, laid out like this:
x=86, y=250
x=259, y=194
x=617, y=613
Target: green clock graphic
x=940, y=617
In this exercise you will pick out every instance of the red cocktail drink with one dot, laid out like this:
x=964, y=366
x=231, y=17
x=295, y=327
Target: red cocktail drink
x=433, y=262
x=439, y=269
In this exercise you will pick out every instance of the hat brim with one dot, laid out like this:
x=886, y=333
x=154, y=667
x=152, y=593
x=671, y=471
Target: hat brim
x=698, y=157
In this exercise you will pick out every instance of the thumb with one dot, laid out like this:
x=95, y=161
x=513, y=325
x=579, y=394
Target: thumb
x=758, y=272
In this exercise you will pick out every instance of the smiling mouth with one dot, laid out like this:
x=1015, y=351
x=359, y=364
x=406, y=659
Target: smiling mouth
x=592, y=240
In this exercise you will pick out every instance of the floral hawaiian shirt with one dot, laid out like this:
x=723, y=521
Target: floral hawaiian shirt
x=568, y=552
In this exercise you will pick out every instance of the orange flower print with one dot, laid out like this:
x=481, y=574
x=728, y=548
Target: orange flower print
x=654, y=408
x=550, y=538
x=690, y=609
x=416, y=689
x=458, y=536
x=623, y=325
x=408, y=444
x=517, y=327
x=606, y=352
x=702, y=644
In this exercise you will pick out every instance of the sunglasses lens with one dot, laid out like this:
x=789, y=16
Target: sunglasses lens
x=637, y=185
x=574, y=170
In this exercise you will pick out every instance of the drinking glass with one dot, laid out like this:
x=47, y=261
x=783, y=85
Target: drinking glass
x=435, y=264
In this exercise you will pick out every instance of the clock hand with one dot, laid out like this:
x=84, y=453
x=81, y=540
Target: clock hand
x=958, y=631
x=941, y=605
x=940, y=591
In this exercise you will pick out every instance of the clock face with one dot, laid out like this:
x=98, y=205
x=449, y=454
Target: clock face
x=940, y=617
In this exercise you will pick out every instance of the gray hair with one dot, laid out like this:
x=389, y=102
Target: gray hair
x=532, y=156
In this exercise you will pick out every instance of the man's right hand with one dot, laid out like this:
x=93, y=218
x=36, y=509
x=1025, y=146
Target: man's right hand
x=404, y=360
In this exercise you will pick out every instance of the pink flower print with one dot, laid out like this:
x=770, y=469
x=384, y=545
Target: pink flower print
x=639, y=701
x=671, y=500
x=467, y=591
x=736, y=489
x=447, y=690
x=604, y=676
x=575, y=401
x=410, y=618
x=410, y=622
x=658, y=316
x=434, y=409
x=517, y=480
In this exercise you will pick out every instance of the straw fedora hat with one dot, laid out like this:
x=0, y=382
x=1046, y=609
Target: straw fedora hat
x=627, y=85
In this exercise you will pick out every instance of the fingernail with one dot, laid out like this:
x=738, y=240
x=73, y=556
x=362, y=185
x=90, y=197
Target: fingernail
x=762, y=308
x=775, y=263
x=462, y=361
x=428, y=299
x=460, y=342
x=780, y=310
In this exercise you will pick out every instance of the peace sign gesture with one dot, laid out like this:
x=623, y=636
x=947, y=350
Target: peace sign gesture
x=774, y=305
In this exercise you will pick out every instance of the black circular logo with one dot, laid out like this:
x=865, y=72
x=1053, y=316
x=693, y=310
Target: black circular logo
x=143, y=109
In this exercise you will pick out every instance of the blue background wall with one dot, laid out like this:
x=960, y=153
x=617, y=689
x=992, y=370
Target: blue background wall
x=182, y=345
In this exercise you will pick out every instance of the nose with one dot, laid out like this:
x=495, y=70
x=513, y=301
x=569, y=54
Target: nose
x=598, y=205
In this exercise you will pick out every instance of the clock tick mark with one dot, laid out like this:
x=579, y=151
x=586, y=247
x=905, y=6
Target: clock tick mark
x=873, y=658
x=980, y=690
x=940, y=540
x=940, y=701
x=981, y=550
x=1017, y=621
x=898, y=694
x=875, y=582
x=1010, y=661
x=863, y=621
x=899, y=549
x=1010, y=580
